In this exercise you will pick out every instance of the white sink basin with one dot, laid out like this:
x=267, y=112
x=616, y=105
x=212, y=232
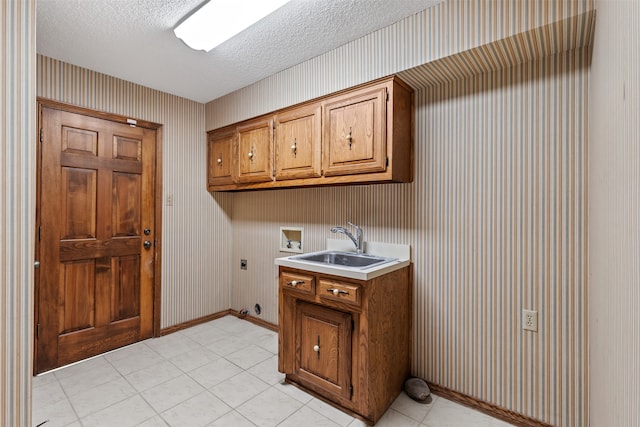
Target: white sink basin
x=378, y=259
x=344, y=259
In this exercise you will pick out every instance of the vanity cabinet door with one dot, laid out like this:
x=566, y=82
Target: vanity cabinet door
x=323, y=348
x=298, y=143
x=219, y=157
x=254, y=151
x=354, y=139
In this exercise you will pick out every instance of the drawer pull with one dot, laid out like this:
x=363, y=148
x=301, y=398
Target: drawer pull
x=295, y=283
x=337, y=292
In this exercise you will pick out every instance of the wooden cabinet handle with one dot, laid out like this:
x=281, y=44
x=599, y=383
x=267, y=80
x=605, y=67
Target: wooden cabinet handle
x=295, y=283
x=316, y=348
x=337, y=292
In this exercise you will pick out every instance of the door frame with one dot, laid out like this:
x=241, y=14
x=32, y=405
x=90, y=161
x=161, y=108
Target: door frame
x=157, y=211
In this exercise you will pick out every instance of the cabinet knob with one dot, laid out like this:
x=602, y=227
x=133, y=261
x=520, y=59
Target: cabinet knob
x=250, y=154
x=294, y=147
x=316, y=348
x=336, y=292
x=219, y=160
x=295, y=283
x=350, y=139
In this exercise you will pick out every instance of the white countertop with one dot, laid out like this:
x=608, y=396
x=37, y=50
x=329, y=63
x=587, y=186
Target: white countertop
x=402, y=253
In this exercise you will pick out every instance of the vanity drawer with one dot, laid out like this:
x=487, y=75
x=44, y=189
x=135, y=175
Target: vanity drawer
x=339, y=291
x=298, y=282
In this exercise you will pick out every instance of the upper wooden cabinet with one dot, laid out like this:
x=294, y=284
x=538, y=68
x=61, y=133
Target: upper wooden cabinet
x=355, y=136
x=219, y=157
x=354, y=132
x=298, y=138
x=255, y=150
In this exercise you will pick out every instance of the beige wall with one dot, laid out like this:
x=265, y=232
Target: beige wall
x=17, y=208
x=614, y=217
x=496, y=216
x=460, y=286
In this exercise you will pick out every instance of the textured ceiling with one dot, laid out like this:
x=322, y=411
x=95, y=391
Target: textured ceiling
x=133, y=40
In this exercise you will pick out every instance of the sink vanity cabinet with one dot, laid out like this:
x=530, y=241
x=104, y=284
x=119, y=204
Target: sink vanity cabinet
x=345, y=340
x=359, y=135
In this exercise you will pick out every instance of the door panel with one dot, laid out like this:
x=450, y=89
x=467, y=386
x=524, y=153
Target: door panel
x=97, y=195
x=255, y=142
x=355, y=133
x=323, y=348
x=125, y=295
x=220, y=157
x=298, y=143
x=76, y=296
x=126, y=204
x=79, y=191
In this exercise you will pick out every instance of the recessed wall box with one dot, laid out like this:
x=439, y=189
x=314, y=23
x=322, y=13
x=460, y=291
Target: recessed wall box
x=291, y=239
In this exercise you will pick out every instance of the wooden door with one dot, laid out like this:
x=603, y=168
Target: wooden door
x=298, y=143
x=97, y=228
x=354, y=139
x=219, y=157
x=255, y=143
x=323, y=348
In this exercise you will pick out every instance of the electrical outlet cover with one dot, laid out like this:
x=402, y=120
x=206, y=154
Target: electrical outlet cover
x=530, y=320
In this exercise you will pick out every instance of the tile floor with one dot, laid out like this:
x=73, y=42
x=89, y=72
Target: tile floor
x=222, y=373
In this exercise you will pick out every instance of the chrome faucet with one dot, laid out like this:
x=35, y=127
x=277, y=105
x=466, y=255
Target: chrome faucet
x=357, y=240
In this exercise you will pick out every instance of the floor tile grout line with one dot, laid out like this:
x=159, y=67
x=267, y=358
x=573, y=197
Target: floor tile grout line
x=249, y=337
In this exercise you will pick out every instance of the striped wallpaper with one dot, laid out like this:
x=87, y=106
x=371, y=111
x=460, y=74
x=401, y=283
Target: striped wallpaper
x=496, y=216
x=17, y=208
x=195, y=282
x=447, y=29
x=614, y=217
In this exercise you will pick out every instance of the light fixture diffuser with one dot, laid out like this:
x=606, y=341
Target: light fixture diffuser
x=219, y=20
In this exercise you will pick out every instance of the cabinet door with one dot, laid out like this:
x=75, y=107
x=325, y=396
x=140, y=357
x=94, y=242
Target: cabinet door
x=219, y=157
x=323, y=348
x=354, y=139
x=254, y=154
x=298, y=136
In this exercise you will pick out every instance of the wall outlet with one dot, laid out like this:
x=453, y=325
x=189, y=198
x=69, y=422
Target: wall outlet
x=530, y=320
x=243, y=264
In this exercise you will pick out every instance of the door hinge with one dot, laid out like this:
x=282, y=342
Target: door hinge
x=39, y=232
x=387, y=96
x=41, y=134
x=351, y=391
x=38, y=330
x=387, y=165
x=353, y=325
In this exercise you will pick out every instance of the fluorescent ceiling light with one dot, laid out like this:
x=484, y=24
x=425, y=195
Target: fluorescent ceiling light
x=219, y=20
